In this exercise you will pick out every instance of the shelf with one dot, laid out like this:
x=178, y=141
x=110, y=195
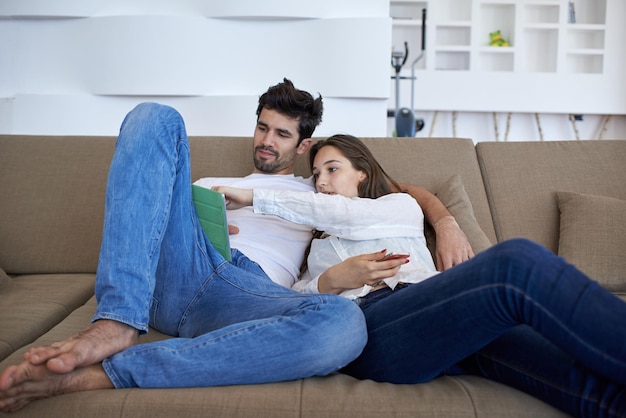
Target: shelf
x=406, y=23
x=496, y=61
x=541, y=26
x=497, y=16
x=590, y=11
x=452, y=60
x=407, y=10
x=453, y=48
x=497, y=49
x=455, y=24
x=585, y=51
x=583, y=26
x=591, y=39
x=541, y=50
x=585, y=64
x=546, y=54
x=541, y=13
x=453, y=35
x=454, y=10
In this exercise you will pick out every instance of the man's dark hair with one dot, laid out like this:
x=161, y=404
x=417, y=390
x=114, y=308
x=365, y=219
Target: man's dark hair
x=294, y=103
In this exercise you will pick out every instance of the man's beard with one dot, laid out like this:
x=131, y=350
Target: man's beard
x=272, y=166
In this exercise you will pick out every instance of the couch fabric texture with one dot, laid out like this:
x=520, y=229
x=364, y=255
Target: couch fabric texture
x=568, y=196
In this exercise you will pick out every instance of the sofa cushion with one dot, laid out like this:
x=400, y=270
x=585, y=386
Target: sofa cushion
x=52, y=208
x=521, y=178
x=453, y=195
x=5, y=280
x=31, y=305
x=593, y=236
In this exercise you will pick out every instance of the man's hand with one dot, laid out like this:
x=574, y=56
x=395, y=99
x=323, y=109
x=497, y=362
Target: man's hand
x=354, y=272
x=453, y=246
x=236, y=198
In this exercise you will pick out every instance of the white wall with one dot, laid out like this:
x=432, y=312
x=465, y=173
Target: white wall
x=77, y=67
x=71, y=67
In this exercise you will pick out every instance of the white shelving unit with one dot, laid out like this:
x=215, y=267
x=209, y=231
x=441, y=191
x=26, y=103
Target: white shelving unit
x=554, y=63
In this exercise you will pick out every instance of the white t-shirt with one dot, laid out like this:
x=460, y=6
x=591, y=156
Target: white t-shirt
x=276, y=244
x=356, y=226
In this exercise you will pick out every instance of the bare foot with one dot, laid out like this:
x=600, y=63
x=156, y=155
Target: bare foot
x=28, y=382
x=101, y=340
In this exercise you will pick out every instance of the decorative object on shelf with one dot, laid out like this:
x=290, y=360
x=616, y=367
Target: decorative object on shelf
x=571, y=17
x=496, y=39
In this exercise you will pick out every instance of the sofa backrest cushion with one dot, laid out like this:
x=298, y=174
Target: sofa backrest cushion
x=52, y=191
x=53, y=188
x=522, y=179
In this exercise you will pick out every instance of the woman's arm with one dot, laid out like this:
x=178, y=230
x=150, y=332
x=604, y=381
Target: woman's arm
x=453, y=246
x=392, y=215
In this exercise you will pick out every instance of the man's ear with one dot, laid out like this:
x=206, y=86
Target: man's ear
x=304, y=146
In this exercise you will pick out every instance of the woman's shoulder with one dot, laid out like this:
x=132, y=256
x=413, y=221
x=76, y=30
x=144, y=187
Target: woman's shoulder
x=400, y=197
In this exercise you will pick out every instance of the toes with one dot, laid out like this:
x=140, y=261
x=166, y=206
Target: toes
x=7, y=378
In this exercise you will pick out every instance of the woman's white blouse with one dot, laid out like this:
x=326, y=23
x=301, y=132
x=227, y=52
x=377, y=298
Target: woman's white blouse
x=356, y=226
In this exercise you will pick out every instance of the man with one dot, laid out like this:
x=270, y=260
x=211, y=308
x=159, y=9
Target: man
x=157, y=268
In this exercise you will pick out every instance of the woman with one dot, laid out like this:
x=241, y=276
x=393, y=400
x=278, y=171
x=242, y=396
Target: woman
x=515, y=313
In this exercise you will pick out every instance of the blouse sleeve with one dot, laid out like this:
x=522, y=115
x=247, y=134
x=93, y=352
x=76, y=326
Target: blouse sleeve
x=392, y=215
x=306, y=284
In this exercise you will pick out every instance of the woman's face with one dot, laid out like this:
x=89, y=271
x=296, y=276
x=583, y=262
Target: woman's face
x=334, y=174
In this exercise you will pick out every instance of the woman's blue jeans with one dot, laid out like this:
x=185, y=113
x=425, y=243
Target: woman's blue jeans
x=515, y=313
x=233, y=324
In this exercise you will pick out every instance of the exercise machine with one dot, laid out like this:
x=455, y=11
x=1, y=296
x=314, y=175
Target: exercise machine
x=406, y=125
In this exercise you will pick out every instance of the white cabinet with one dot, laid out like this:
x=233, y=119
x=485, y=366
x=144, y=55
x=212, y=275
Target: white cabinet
x=562, y=56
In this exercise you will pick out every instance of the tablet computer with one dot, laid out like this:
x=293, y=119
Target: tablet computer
x=211, y=209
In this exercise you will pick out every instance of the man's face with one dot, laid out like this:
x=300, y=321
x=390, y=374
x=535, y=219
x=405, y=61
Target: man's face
x=275, y=143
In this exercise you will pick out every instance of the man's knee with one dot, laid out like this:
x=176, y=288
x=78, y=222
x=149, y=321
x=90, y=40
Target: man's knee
x=350, y=329
x=151, y=110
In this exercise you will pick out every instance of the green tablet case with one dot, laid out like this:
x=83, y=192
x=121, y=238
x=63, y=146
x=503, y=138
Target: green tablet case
x=211, y=210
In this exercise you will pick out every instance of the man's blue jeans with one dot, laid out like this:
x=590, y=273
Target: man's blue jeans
x=515, y=313
x=233, y=324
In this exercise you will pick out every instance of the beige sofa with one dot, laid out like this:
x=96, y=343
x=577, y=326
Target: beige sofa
x=51, y=210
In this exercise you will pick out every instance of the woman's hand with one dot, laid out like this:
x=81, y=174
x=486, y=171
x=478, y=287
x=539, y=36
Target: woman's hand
x=235, y=197
x=354, y=272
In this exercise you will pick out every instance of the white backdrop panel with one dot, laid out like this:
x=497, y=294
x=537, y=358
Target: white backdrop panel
x=189, y=56
x=209, y=115
x=210, y=8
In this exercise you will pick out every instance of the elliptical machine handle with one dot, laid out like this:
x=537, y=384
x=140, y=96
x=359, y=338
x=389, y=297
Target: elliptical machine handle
x=406, y=53
x=423, y=29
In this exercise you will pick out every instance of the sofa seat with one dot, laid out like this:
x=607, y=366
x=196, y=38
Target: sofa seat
x=43, y=300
